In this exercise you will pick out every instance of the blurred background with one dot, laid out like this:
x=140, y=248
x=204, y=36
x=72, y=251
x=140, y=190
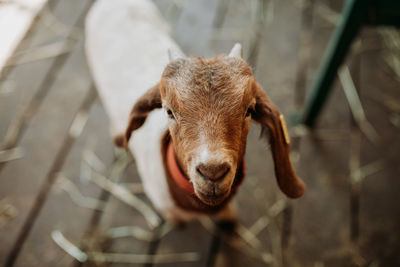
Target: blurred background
x=54, y=138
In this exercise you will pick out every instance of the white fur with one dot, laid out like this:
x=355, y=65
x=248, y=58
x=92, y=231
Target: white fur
x=126, y=46
x=204, y=154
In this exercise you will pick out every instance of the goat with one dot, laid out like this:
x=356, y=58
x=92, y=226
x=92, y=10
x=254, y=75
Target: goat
x=189, y=130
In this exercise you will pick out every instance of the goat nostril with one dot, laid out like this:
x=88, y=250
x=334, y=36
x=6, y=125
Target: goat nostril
x=213, y=172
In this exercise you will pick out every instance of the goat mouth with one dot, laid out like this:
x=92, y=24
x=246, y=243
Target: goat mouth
x=212, y=197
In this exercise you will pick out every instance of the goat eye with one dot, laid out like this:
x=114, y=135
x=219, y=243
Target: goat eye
x=249, y=111
x=170, y=114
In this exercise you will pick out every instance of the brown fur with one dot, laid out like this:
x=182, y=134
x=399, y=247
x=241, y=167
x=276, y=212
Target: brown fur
x=149, y=101
x=267, y=115
x=211, y=102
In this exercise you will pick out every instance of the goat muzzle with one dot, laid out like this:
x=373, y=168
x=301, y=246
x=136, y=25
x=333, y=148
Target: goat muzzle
x=213, y=172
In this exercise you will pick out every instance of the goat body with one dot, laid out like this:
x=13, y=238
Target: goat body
x=200, y=107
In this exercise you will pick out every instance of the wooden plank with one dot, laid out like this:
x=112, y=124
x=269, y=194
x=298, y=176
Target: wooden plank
x=276, y=68
x=191, y=238
x=60, y=212
x=235, y=22
x=304, y=54
x=118, y=214
x=321, y=218
x=170, y=10
x=24, y=86
x=94, y=237
x=16, y=18
x=193, y=28
x=379, y=210
x=42, y=141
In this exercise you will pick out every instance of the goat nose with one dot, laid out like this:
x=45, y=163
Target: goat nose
x=213, y=172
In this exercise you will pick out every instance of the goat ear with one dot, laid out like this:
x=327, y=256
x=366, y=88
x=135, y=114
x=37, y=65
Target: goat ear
x=267, y=114
x=149, y=101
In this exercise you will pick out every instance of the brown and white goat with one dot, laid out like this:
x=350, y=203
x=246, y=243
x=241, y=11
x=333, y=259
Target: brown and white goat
x=190, y=150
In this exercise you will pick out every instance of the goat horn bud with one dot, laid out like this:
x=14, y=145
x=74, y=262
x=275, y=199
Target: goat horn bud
x=175, y=53
x=236, y=51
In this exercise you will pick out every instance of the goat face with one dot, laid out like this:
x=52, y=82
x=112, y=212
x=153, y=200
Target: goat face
x=209, y=103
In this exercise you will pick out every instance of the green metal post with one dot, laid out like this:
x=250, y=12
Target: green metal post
x=351, y=20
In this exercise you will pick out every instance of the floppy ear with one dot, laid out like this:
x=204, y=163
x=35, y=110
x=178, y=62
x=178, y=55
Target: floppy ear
x=267, y=114
x=149, y=101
